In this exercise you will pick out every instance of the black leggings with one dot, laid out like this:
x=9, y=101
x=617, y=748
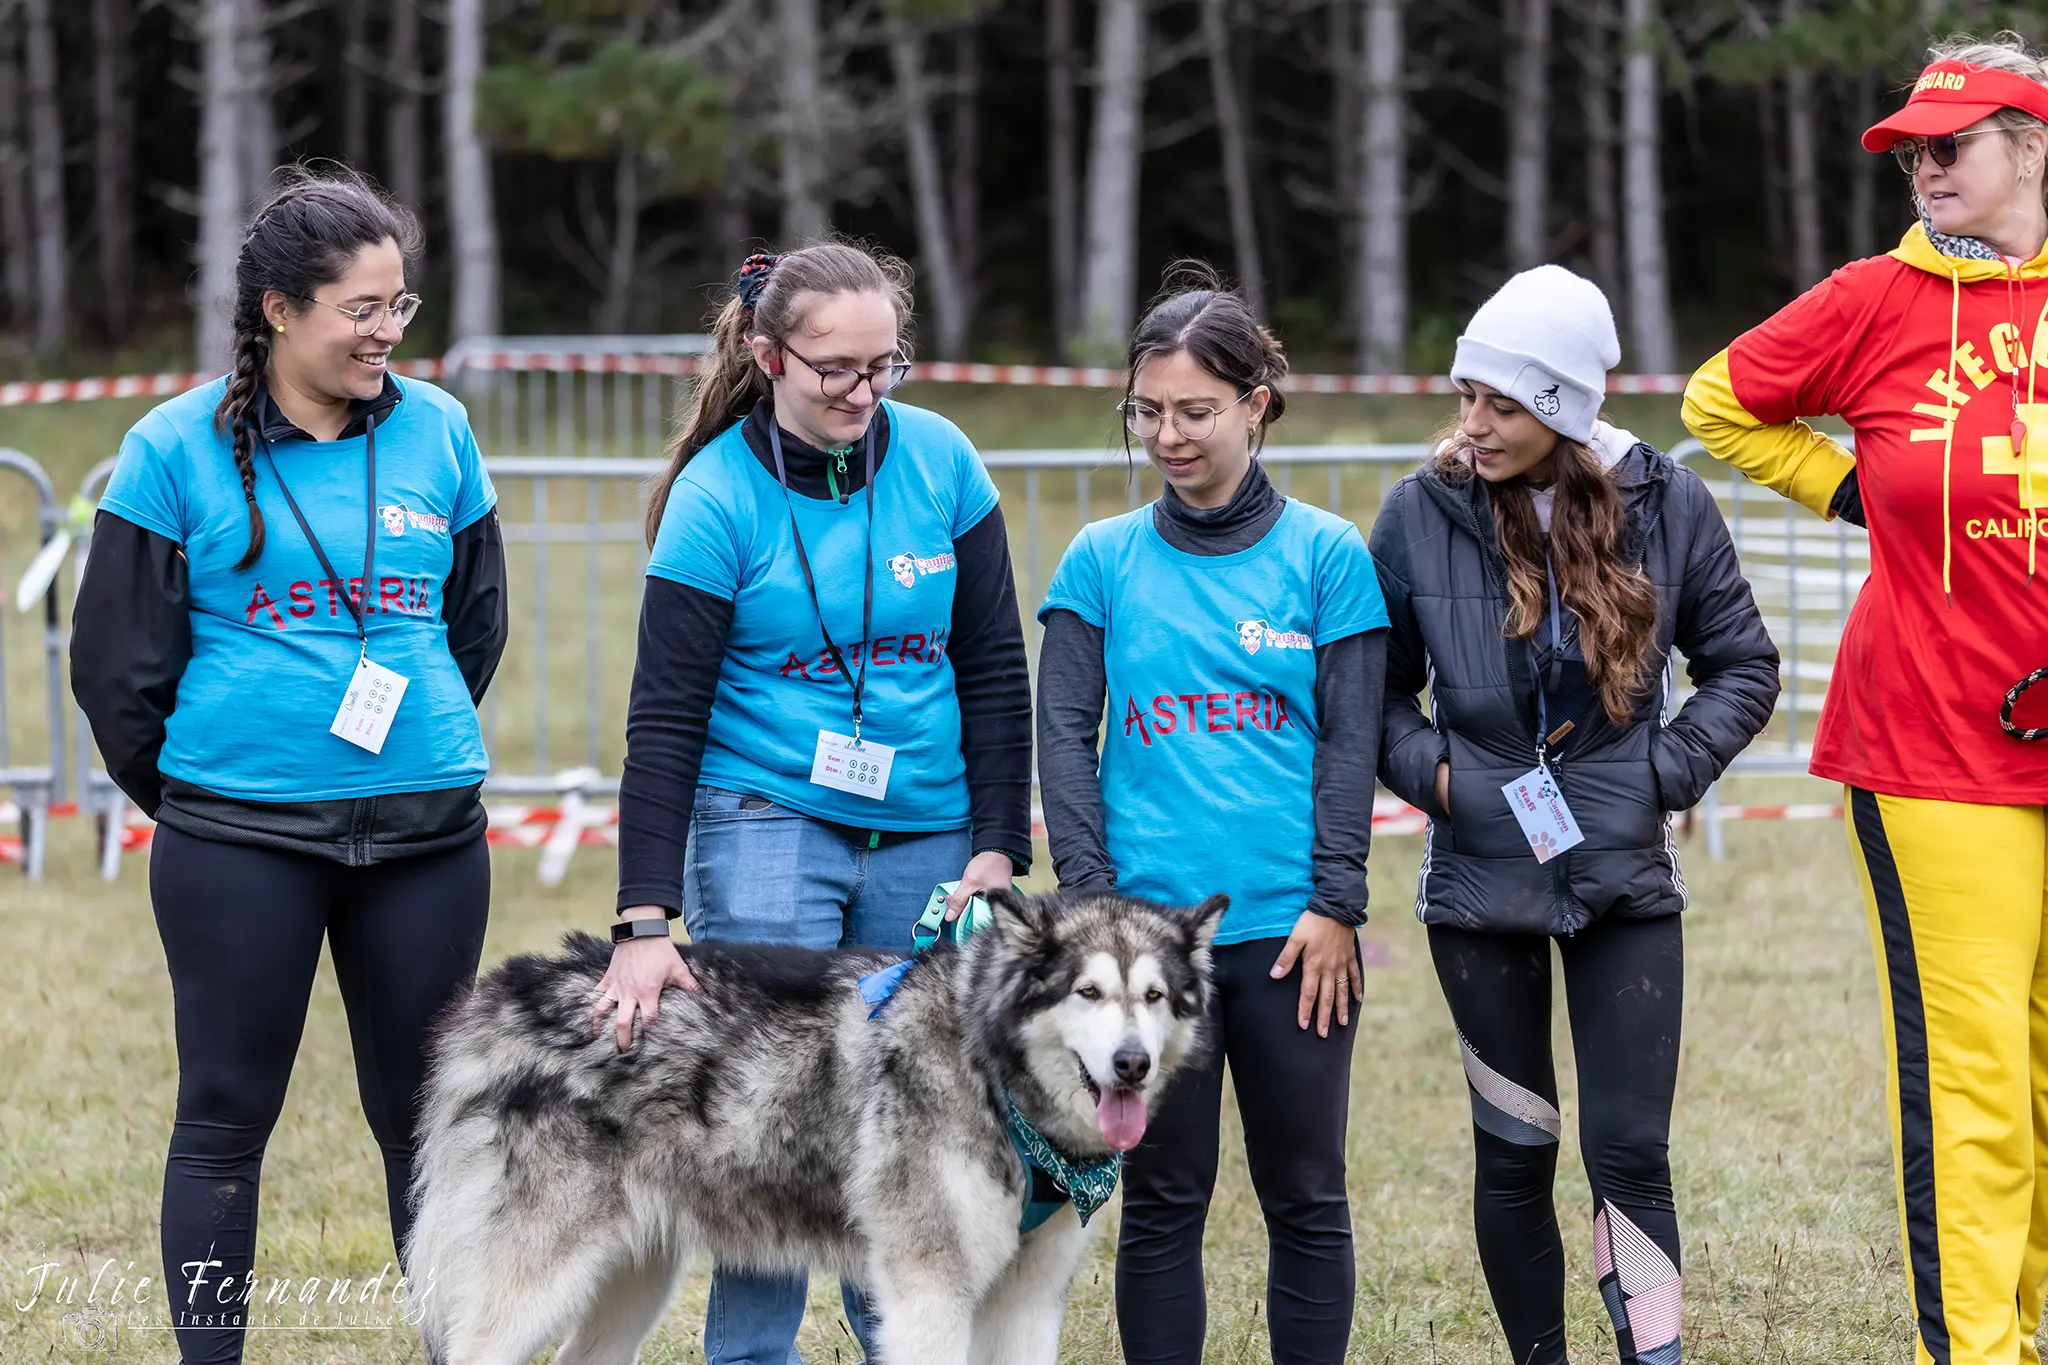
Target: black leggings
x=1293, y=1092
x=1624, y=988
x=242, y=929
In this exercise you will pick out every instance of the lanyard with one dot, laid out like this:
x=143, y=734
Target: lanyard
x=1545, y=736
x=370, y=539
x=867, y=604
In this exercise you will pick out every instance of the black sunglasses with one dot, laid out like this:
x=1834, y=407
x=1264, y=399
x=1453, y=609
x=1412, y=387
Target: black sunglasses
x=1942, y=147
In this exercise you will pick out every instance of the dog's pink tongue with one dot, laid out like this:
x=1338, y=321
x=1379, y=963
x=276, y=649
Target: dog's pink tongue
x=1121, y=1114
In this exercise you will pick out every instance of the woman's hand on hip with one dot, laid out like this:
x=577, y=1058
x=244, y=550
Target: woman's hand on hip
x=642, y=968
x=1328, y=954
x=1443, y=785
x=985, y=872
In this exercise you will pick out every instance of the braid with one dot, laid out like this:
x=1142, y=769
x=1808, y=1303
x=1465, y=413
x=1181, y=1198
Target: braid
x=252, y=355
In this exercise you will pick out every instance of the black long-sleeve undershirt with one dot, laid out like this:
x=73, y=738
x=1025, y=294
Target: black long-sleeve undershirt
x=133, y=637
x=675, y=680
x=1350, y=680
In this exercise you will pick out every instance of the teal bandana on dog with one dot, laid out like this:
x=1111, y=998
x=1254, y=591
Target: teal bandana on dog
x=1051, y=1178
x=1089, y=1184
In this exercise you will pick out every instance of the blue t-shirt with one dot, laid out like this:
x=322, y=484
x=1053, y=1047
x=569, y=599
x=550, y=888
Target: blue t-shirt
x=273, y=648
x=726, y=532
x=1208, y=756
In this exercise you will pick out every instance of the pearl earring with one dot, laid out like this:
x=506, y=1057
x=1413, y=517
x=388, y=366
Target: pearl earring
x=280, y=327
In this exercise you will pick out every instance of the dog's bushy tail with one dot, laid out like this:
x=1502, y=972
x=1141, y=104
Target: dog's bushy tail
x=486, y=1053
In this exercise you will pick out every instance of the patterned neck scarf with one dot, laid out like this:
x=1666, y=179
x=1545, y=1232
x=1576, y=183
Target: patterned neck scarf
x=1957, y=248
x=1088, y=1183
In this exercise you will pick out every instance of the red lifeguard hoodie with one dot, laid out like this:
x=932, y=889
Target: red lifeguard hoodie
x=1938, y=365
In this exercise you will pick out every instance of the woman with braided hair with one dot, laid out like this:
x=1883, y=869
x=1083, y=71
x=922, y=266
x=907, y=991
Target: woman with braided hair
x=295, y=598
x=831, y=710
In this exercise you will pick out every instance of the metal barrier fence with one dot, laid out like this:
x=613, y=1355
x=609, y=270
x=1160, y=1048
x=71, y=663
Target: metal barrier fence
x=34, y=780
x=554, y=719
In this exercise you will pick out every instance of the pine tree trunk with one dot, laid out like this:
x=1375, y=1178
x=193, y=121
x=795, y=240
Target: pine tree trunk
x=805, y=213
x=1649, y=283
x=966, y=178
x=1383, y=195
x=113, y=179
x=1062, y=175
x=46, y=175
x=939, y=273
x=257, y=120
x=617, y=305
x=1770, y=122
x=730, y=229
x=355, y=84
x=404, y=135
x=16, y=238
x=1109, y=275
x=1803, y=174
x=472, y=205
x=1809, y=253
x=1235, y=136
x=220, y=178
x=1344, y=130
x=1863, y=169
x=1596, y=105
x=1528, y=135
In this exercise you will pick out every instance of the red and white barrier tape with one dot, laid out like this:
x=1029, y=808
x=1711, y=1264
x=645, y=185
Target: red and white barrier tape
x=939, y=372
x=531, y=826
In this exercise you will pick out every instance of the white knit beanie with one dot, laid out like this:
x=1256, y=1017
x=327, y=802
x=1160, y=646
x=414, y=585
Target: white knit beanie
x=1546, y=340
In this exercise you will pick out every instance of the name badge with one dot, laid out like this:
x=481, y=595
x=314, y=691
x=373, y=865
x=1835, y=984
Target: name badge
x=369, y=706
x=1540, y=809
x=844, y=765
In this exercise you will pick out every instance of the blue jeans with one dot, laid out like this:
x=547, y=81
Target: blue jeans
x=771, y=875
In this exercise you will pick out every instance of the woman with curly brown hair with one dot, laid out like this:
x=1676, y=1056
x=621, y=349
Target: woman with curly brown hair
x=1538, y=571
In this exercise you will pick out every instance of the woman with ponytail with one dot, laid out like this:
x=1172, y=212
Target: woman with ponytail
x=831, y=711
x=273, y=548
x=1539, y=571
x=1239, y=639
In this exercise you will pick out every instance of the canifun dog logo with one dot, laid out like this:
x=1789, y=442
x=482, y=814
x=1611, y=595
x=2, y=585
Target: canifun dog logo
x=1256, y=634
x=909, y=568
x=1547, y=402
x=397, y=516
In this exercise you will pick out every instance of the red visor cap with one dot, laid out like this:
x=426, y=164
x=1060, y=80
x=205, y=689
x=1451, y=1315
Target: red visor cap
x=1950, y=96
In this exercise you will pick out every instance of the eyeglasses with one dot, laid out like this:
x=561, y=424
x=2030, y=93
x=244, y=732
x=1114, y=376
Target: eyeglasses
x=1144, y=420
x=370, y=316
x=837, y=381
x=1942, y=147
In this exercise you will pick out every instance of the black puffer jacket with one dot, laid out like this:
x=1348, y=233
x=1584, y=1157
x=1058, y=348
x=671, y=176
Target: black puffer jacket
x=1445, y=581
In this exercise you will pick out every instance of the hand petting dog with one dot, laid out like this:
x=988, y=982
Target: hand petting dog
x=642, y=968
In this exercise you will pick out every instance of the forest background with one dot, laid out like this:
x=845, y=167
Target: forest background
x=1368, y=170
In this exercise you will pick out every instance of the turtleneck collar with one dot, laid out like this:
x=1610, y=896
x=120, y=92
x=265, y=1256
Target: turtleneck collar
x=1237, y=525
x=804, y=461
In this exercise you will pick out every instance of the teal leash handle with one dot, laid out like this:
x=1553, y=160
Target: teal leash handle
x=933, y=926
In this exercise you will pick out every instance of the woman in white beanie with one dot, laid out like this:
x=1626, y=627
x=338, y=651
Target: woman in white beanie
x=1538, y=572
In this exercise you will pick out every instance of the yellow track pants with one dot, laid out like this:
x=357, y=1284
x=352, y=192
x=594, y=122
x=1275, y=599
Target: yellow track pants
x=1958, y=902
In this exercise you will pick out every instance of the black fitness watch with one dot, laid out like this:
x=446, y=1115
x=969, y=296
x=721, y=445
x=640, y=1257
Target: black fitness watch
x=648, y=927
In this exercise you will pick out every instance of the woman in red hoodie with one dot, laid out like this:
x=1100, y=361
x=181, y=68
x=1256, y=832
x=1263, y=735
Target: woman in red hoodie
x=1934, y=355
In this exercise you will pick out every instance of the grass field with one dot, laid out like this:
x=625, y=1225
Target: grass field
x=1778, y=1143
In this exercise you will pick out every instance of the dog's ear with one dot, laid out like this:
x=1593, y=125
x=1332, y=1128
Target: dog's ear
x=1203, y=919
x=1023, y=921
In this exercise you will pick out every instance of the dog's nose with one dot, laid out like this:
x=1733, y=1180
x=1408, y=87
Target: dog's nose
x=1132, y=1065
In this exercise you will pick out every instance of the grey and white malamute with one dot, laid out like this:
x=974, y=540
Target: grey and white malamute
x=938, y=1131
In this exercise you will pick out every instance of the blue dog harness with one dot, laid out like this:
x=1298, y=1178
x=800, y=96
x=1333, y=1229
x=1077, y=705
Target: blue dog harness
x=1051, y=1178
